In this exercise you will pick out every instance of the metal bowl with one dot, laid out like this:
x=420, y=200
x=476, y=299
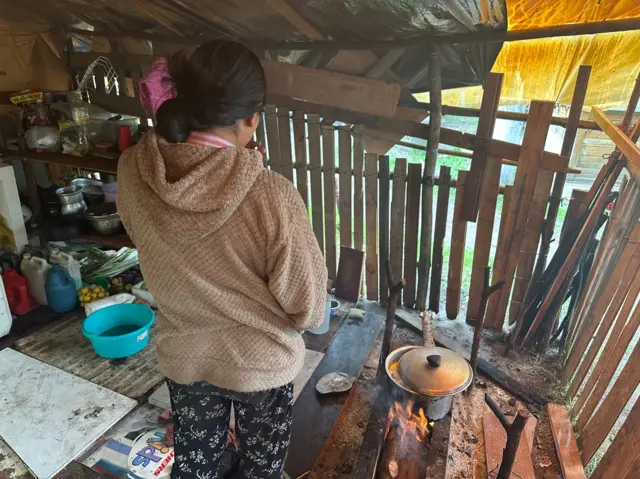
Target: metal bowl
x=104, y=219
x=70, y=194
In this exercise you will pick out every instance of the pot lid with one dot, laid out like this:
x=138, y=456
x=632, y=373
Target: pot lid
x=435, y=371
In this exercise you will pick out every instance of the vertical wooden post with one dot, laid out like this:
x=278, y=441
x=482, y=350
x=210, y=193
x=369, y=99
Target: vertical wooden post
x=273, y=137
x=486, y=123
x=371, y=259
x=397, y=217
x=329, y=168
x=358, y=211
x=442, y=213
x=300, y=137
x=435, y=119
x=458, y=244
x=383, y=228
x=535, y=135
x=315, y=167
x=344, y=151
x=261, y=138
x=284, y=134
x=577, y=102
x=414, y=177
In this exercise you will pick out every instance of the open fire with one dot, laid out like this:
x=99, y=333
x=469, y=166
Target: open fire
x=406, y=443
x=410, y=422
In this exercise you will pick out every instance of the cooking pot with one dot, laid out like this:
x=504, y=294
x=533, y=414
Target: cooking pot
x=434, y=374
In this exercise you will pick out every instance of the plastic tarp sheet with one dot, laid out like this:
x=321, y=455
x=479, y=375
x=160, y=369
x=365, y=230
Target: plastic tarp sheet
x=546, y=69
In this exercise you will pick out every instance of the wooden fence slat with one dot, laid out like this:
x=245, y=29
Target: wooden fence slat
x=329, y=166
x=358, y=205
x=565, y=441
x=371, y=259
x=535, y=134
x=610, y=358
x=442, y=214
x=397, y=217
x=315, y=170
x=383, y=225
x=458, y=244
x=506, y=200
x=622, y=454
x=300, y=136
x=605, y=320
x=599, y=309
x=286, y=152
x=261, y=138
x=486, y=123
x=529, y=248
x=484, y=232
x=414, y=179
x=273, y=137
x=344, y=201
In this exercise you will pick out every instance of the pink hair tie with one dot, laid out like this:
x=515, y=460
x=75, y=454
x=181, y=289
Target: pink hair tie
x=156, y=87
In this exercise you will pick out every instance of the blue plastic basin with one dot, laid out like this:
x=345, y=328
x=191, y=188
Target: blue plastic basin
x=119, y=331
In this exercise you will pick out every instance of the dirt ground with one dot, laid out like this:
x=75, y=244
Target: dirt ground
x=466, y=457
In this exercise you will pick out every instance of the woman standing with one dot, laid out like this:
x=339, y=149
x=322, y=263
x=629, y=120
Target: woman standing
x=226, y=248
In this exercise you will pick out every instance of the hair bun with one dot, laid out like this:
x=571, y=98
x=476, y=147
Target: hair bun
x=172, y=121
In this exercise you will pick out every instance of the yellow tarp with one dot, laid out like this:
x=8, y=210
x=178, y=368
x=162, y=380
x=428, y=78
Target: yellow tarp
x=546, y=69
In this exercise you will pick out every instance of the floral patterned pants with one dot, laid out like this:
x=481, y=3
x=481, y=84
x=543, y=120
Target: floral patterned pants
x=201, y=414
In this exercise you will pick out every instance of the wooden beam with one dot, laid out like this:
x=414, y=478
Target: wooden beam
x=384, y=63
x=89, y=162
x=297, y=20
x=497, y=148
x=621, y=140
x=491, y=36
x=332, y=89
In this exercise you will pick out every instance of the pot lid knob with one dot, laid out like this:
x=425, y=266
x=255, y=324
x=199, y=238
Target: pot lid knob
x=434, y=360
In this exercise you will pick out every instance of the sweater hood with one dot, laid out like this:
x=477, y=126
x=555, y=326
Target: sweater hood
x=194, y=189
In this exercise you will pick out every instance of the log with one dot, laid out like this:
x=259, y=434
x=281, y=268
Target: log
x=514, y=432
x=371, y=200
x=414, y=177
x=383, y=212
x=424, y=264
x=394, y=295
x=315, y=172
x=345, y=184
x=456, y=256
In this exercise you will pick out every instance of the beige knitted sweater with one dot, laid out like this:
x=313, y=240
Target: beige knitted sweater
x=226, y=249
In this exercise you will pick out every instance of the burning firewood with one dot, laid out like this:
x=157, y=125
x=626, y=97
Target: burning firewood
x=405, y=445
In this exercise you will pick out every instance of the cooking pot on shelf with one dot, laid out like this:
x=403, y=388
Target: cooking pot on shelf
x=434, y=374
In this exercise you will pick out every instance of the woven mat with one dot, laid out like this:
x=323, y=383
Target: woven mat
x=63, y=346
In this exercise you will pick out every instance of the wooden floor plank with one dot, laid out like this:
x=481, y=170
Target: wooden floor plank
x=300, y=165
x=345, y=185
x=396, y=240
x=328, y=167
x=566, y=445
x=414, y=177
x=315, y=172
x=358, y=193
x=383, y=225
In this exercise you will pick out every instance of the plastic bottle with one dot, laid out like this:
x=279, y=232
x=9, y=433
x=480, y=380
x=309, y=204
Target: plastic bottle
x=35, y=271
x=80, y=115
x=17, y=292
x=5, y=313
x=60, y=289
x=69, y=263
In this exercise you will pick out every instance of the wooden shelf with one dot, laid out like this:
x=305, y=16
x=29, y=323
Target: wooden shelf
x=116, y=241
x=89, y=162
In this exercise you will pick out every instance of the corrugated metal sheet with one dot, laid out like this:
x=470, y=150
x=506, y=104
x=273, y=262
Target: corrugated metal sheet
x=63, y=346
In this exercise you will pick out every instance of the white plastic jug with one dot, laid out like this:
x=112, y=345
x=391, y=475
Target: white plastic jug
x=69, y=263
x=5, y=314
x=35, y=271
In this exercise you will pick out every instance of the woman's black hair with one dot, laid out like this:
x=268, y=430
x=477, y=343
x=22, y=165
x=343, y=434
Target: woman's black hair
x=221, y=82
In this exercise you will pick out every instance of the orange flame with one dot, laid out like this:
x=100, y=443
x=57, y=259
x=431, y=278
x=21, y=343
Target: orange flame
x=410, y=421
